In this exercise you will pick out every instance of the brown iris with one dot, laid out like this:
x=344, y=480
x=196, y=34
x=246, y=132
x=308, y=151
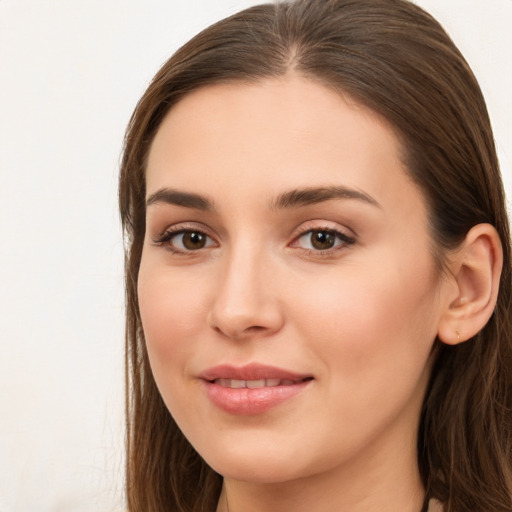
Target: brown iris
x=193, y=240
x=323, y=240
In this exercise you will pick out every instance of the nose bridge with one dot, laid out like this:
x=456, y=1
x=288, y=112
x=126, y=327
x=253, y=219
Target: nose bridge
x=244, y=302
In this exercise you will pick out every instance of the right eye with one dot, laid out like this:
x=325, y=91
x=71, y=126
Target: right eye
x=185, y=240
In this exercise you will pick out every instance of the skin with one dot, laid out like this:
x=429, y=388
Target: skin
x=360, y=318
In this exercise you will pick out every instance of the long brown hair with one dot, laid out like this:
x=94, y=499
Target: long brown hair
x=397, y=60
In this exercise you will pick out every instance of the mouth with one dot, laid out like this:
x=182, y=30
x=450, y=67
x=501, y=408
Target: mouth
x=252, y=389
x=257, y=384
x=259, y=375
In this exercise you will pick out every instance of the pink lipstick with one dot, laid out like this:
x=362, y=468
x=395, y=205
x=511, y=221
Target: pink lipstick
x=251, y=389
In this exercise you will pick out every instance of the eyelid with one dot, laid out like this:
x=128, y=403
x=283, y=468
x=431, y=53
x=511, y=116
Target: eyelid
x=346, y=235
x=169, y=233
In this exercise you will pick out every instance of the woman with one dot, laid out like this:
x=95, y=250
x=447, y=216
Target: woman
x=318, y=270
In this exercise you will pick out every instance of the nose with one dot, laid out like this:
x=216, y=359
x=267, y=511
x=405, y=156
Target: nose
x=246, y=302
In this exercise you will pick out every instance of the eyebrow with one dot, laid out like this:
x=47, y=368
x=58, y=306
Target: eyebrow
x=313, y=195
x=291, y=199
x=180, y=198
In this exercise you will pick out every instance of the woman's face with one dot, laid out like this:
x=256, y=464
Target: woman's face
x=287, y=288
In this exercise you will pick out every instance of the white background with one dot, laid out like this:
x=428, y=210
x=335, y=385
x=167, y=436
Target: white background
x=71, y=72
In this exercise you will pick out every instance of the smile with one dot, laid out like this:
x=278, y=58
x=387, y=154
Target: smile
x=252, y=389
x=254, y=384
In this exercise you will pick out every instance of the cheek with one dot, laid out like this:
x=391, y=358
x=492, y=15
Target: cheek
x=172, y=315
x=372, y=337
x=377, y=321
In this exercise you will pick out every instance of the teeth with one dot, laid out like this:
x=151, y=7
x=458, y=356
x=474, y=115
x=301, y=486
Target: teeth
x=238, y=384
x=253, y=384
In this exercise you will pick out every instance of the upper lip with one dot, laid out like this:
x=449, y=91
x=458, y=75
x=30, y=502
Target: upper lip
x=252, y=371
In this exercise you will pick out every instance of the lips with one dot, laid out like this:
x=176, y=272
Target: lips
x=252, y=389
x=253, y=384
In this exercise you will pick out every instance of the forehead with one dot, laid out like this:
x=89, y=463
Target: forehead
x=263, y=137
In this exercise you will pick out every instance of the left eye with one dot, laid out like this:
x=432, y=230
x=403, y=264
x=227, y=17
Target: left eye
x=322, y=240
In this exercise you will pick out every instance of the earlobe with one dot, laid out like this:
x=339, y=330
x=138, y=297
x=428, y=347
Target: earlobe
x=476, y=271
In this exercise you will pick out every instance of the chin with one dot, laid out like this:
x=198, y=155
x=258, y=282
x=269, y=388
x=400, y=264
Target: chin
x=268, y=461
x=268, y=472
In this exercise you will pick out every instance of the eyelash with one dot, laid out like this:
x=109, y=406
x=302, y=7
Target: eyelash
x=343, y=241
x=165, y=239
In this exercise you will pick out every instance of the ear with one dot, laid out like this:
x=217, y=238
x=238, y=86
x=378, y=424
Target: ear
x=475, y=270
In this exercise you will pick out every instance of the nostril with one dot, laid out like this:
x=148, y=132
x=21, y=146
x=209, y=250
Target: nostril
x=255, y=329
x=248, y=331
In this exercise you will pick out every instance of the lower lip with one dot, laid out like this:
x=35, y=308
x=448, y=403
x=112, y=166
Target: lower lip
x=245, y=401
